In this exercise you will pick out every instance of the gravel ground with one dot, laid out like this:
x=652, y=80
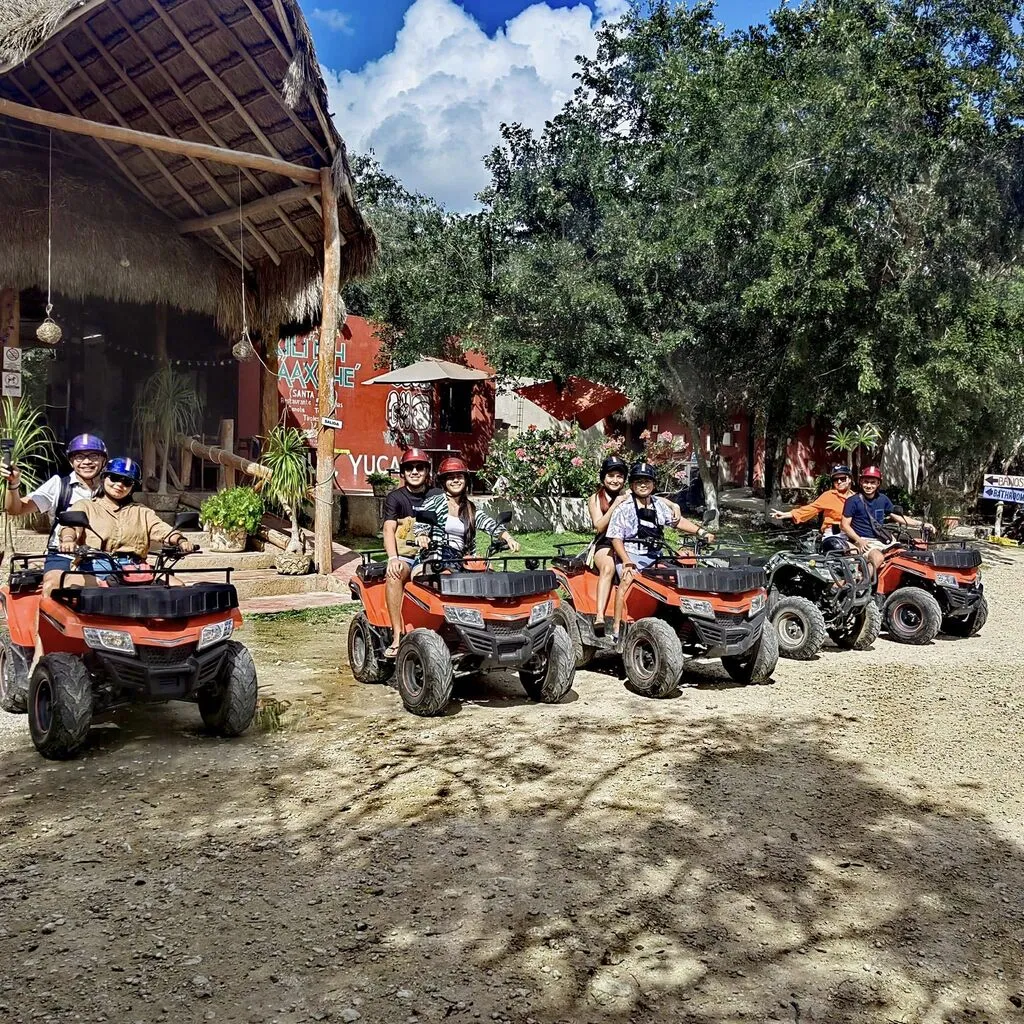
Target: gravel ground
x=843, y=845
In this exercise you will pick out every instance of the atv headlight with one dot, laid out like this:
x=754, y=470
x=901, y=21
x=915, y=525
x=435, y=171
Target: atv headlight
x=214, y=633
x=109, y=640
x=541, y=611
x=757, y=606
x=693, y=606
x=947, y=579
x=464, y=616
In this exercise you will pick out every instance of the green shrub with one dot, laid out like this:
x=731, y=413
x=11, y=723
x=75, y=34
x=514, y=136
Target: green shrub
x=233, y=509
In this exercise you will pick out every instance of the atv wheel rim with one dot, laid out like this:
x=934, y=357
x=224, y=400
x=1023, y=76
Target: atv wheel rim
x=359, y=650
x=643, y=660
x=412, y=675
x=791, y=630
x=908, y=616
x=44, y=705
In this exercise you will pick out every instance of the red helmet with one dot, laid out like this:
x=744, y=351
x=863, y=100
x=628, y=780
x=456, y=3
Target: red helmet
x=412, y=456
x=453, y=464
x=871, y=473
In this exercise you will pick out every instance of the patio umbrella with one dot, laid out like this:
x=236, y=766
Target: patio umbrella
x=427, y=371
x=584, y=401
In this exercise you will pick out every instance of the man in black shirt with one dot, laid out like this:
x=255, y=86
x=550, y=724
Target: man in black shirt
x=401, y=504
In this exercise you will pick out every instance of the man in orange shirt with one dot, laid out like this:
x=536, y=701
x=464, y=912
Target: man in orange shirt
x=830, y=504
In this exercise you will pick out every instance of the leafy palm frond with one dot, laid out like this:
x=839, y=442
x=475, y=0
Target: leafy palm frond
x=34, y=443
x=286, y=455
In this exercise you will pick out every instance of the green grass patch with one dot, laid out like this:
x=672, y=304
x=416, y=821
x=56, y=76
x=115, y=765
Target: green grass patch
x=307, y=616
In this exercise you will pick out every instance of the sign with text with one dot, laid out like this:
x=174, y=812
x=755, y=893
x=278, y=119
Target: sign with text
x=12, y=359
x=999, y=487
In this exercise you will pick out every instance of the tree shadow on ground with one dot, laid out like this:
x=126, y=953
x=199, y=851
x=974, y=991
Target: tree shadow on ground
x=537, y=866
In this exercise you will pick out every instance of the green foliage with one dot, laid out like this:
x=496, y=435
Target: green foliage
x=166, y=404
x=286, y=454
x=379, y=478
x=233, y=509
x=553, y=461
x=670, y=454
x=34, y=444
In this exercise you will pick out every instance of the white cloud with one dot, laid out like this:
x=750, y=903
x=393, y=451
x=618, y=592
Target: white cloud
x=335, y=20
x=431, y=108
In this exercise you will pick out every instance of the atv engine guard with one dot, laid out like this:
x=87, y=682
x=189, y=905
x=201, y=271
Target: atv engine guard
x=163, y=673
x=510, y=644
x=960, y=603
x=728, y=634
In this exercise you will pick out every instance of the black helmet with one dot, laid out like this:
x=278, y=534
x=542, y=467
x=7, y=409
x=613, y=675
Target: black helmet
x=643, y=471
x=841, y=471
x=835, y=542
x=613, y=462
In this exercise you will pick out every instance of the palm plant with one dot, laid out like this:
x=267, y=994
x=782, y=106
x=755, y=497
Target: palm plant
x=166, y=404
x=850, y=440
x=286, y=455
x=33, y=452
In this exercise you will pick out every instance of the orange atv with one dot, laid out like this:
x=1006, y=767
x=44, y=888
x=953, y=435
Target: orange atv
x=700, y=605
x=461, y=615
x=121, y=643
x=927, y=588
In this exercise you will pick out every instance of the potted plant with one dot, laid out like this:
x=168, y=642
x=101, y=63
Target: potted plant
x=166, y=405
x=381, y=482
x=286, y=455
x=231, y=516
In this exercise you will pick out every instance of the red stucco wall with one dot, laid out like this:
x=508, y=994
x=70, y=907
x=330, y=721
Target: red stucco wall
x=367, y=441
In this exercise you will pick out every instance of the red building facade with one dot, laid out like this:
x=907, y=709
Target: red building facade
x=378, y=421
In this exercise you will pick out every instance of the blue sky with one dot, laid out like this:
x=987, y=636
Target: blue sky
x=426, y=83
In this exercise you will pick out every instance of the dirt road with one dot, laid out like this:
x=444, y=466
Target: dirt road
x=845, y=845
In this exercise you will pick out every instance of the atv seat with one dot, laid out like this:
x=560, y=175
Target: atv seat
x=490, y=585
x=372, y=572
x=149, y=602
x=718, y=581
x=949, y=558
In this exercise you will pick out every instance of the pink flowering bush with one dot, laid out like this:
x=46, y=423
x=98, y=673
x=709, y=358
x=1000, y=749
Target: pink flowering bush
x=550, y=461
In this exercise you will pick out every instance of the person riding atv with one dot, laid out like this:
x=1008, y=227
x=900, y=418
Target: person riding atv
x=637, y=531
x=131, y=636
x=460, y=615
x=828, y=505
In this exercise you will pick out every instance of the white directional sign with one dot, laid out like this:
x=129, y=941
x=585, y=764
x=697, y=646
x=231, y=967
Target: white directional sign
x=328, y=422
x=1004, y=488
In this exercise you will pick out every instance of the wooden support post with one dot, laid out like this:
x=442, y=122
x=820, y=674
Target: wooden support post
x=226, y=473
x=10, y=323
x=186, y=468
x=323, y=504
x=270, y=396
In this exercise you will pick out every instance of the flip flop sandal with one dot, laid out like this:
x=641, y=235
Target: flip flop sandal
x=391, y=652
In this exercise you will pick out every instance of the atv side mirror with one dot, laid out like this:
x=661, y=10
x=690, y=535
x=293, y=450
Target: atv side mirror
x=73, y=519
x=708, y=518
x=428, y=518
x=505, y=518
x=897, y=510
x=186, y=519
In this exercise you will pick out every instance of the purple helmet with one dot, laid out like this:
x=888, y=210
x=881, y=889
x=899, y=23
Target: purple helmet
x=87, y=443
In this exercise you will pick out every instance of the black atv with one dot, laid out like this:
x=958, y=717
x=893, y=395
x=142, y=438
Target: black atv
x=812, y=596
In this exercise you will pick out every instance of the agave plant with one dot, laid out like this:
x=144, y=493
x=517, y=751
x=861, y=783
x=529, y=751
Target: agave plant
x=34, y=448
x=286, y=455
x=166, y=405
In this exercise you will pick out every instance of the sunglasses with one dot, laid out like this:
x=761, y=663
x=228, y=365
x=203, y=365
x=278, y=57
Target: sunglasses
x=416, y=467
x=837, y=479
x=124, y=481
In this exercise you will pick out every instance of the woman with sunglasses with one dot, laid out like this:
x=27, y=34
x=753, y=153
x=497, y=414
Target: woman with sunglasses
x=118, y=525
x=829, y=505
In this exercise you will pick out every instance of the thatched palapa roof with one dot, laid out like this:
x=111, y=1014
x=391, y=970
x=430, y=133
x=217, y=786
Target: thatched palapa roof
x=149, y=226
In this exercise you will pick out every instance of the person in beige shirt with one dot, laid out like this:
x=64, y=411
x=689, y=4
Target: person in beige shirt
x=116, y=524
